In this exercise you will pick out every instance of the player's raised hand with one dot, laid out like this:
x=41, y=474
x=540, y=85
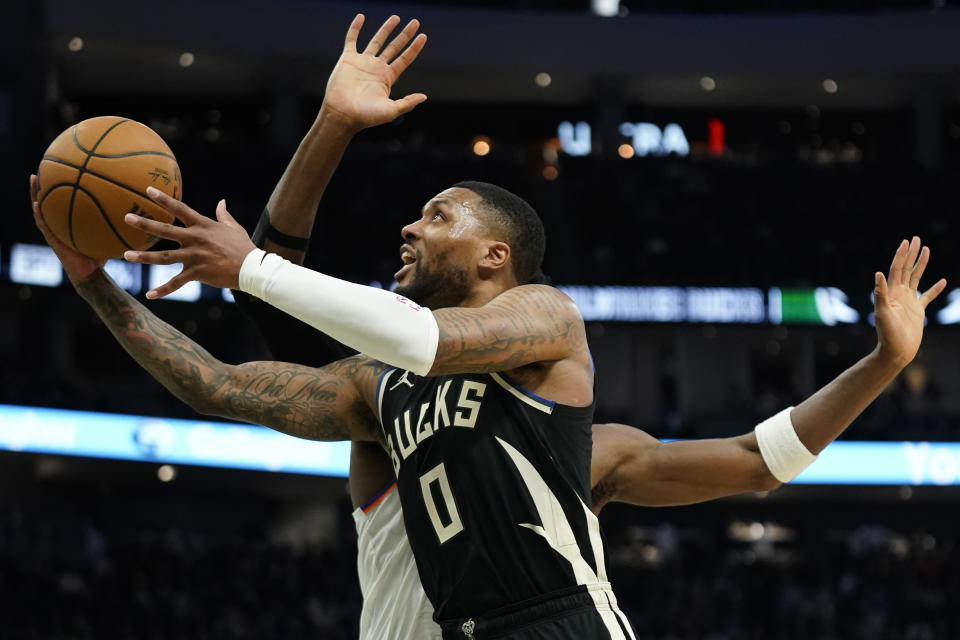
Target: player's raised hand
x=898, y=310
x=358, y=90
x=77, y=266
x=211, y=251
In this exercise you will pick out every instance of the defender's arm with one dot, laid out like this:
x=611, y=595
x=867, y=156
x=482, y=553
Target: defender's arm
x=630, y=466
x=357, y=97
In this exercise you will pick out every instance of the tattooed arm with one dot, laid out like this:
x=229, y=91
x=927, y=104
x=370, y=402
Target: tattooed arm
x=335, y=402
x=331, y=403
x=523, y=325
x=533, y=331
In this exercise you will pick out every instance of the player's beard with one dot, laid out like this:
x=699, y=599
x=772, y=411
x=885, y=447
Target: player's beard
x=437, y=286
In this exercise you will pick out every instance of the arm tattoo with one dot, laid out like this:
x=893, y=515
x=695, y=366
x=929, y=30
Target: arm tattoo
x=181, y=365
x=601, y=493
x=518, y=329
x=334, y=402
x=331, y=403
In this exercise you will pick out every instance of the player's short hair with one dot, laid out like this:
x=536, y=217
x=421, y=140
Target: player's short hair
x=521, y=227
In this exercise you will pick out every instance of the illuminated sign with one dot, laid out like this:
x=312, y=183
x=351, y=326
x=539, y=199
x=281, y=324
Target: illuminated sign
x=575, y=138
x=35, y=264
x=823, y=305
x=669, y=304
x=240, y=446
x=127, y=275
x=649, y=139
x=828, y=306
x=895, y=463
x=164, y=440
x=161, y=273
x=951, y=313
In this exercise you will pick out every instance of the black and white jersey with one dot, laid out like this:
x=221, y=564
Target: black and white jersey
x=495, y=487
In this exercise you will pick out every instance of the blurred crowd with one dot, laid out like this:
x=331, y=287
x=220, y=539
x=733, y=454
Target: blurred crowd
x=857, y=583
x=68, y=579
x=71, y=579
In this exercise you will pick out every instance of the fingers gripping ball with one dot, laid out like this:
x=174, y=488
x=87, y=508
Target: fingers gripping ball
x=96, y=172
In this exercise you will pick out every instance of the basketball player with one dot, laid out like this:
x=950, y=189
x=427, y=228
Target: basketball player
x=357, y=96
x=627, y=464
x=342, y=400
x=493, y=477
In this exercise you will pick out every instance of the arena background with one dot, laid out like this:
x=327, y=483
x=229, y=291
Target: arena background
x=737, y=169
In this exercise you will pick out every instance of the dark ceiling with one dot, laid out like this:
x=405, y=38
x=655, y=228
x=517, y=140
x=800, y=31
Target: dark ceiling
x=881, y=60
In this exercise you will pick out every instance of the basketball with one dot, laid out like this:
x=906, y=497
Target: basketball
x=97, y=171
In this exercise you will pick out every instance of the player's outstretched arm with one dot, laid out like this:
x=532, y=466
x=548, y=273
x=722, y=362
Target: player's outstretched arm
x=630, y=466
x=318, y=404
x=331, y=403
x=357, y=97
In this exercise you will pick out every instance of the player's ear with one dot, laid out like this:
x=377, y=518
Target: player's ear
x=496, y=256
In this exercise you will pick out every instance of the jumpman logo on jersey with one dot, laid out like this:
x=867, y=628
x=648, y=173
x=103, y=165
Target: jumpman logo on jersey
x=403, y=380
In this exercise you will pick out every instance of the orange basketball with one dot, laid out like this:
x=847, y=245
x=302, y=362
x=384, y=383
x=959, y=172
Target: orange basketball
x=97, y=171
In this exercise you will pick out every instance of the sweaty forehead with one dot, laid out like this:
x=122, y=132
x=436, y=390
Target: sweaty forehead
x=456, y=198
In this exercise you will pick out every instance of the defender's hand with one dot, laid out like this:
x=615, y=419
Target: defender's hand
x=211, y=251
x=358, y=90
x=77, y=266
x=898, y=310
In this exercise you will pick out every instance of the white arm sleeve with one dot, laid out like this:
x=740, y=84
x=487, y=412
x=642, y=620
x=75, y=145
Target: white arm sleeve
x=376, y=322
x=781, y=448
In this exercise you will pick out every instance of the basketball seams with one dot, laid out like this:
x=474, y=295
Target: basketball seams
x=51, y=189
x=73, y=194
x=81, y=170
x=59, y=161
x=103, y=160
x=136, y=192
x=93, y=152
x=93, y=199
x=103, y=213
x=122, y=186
x=103, y=135
x=109, y=156
x=100, y=175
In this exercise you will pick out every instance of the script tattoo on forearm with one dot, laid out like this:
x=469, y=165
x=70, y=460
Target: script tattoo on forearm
x=319, y=404
x=508, y=335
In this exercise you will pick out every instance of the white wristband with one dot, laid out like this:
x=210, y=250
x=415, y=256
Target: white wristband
x=781, y=448
x=381, y=324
